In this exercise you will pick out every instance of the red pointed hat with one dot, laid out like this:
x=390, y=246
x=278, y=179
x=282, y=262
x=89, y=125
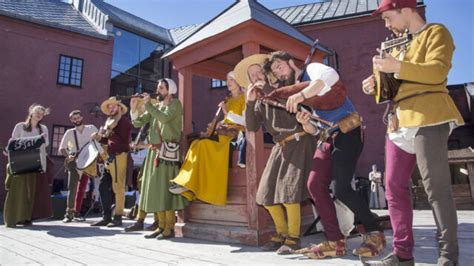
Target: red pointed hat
x=393, y=4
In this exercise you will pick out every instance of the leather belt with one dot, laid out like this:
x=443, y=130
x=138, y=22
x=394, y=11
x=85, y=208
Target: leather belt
x=291, y=137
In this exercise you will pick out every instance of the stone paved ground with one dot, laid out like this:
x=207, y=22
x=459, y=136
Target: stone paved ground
x=52, y=242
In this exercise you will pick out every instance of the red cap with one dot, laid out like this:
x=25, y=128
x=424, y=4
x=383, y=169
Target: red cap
x=393, y=4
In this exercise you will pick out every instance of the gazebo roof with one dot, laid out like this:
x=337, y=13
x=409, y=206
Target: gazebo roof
x=238, y=13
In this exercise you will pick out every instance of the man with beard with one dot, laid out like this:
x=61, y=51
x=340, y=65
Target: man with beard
x=116, y=134
x=72, y=142
x=162, y=161
x=335, y=159
x=283, y=181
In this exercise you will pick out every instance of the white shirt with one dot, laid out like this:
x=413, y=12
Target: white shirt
x=235, y=118
x=69, y=143
x=404, y=137
x=318, y=71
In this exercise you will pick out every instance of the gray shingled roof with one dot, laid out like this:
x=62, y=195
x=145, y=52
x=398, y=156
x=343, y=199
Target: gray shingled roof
x=322, y=10
x=326, y=10
x=52, y=13
x=236, y=14
x=123, y=19
x=180, y=33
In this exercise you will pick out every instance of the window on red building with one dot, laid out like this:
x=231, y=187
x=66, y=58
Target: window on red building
x=70, y=71
x=216, y=83
x=58, y=132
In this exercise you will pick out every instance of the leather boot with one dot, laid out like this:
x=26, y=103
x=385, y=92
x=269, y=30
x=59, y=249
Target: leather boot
x=117, y=221
x=106, y=219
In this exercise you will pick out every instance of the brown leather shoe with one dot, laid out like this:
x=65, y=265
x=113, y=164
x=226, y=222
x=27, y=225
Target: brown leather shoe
x=390, y=260
x=372, y=245
x=103, y=222
x=162, y=236
x=155, y=233
x=289, y=245
x=327, y=249
x=136, y=226
x=274, y=244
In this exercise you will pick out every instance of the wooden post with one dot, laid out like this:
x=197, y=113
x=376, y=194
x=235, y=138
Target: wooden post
x=185, y=90
x=185, y=76
x=470, y=170
x=255, y=162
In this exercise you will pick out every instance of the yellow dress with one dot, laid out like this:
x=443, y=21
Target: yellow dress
x=206, y=167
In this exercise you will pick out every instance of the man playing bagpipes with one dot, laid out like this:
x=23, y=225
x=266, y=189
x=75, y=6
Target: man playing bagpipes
x=422, y=118
x=204, y=173
x=283, y=181
x=340, y=144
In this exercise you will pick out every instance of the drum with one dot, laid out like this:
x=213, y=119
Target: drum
x=86, y=160
x=24, y=155
x=23, y=162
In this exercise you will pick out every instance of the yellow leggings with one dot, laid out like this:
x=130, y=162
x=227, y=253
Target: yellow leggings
x=293, y=211
x=166, y=221
x=142, y=215
x=118, y=171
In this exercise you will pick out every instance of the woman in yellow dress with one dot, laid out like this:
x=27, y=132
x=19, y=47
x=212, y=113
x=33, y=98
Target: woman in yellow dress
x=204, y=173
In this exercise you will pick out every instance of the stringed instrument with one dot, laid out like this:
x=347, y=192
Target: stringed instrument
x=386, y=84
x=211, y=128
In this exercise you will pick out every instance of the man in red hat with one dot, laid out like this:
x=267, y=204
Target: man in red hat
x=423, y=117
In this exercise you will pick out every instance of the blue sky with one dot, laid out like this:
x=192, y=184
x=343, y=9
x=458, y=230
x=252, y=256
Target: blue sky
x=457, y=15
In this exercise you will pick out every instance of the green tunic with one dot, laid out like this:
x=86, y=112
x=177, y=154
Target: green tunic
x=155, y=195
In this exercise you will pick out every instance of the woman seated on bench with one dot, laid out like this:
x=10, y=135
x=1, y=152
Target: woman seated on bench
x=204, y=173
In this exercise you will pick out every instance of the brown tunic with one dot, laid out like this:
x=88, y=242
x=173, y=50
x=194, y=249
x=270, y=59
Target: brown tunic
x=284, y=177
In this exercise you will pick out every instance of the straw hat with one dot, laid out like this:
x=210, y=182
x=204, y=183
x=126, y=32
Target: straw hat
x=240, y=70
x=112, y=100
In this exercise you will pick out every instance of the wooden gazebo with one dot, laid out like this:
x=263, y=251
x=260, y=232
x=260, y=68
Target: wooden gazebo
x=243, y=29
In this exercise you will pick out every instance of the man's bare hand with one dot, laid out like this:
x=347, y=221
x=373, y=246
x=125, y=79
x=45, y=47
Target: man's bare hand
x=293, y=101
x=368, y=85
x=388, y=64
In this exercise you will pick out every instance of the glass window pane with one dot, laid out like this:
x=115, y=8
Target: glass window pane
x=126, y=51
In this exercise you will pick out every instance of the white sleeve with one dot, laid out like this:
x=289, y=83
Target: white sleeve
x=134, y=115
x=64, y=140
x=46, y=135
x=94, y=128
x=237, y=119
x=17, y=131
x=318, y=71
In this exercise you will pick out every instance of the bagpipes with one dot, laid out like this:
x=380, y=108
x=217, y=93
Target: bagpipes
x=325, y=127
